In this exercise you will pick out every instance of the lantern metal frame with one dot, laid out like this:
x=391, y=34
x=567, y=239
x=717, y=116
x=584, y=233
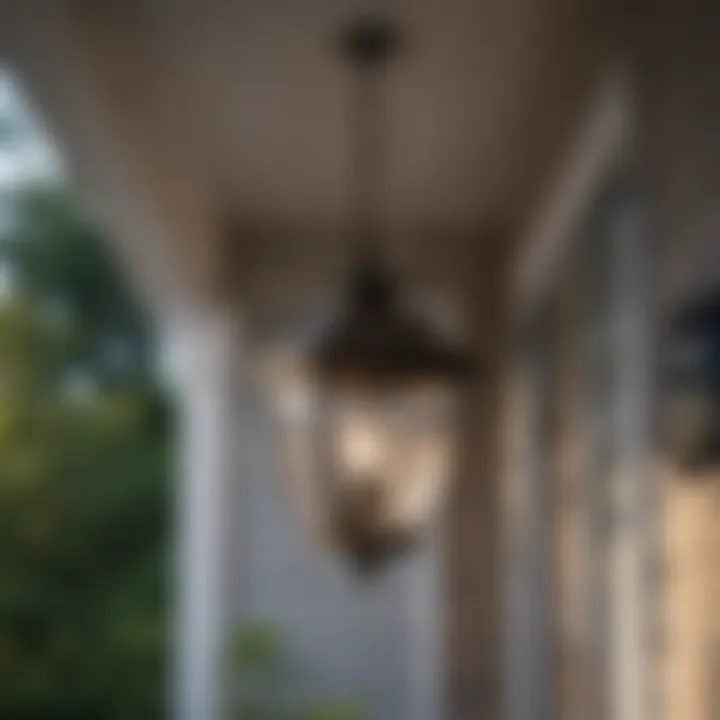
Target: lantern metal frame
x=376, y=345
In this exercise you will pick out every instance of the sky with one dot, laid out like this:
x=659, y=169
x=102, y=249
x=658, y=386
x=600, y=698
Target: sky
x=26, y=150
x=26, y=154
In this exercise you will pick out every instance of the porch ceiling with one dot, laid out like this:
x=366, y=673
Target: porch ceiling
x=476, y=102
x=239, y=109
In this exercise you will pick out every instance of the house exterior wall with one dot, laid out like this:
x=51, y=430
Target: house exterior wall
x=569, y=454
x=679, y=141
x=348, y=636
x=674, y=66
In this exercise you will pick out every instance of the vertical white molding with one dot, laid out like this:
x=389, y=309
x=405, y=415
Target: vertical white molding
x=424, y=612
x=203, y=354
x=529, y=671
x=591, y=157
x=631, y=489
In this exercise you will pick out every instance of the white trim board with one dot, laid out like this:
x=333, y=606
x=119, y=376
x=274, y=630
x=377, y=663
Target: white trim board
x=601, y=141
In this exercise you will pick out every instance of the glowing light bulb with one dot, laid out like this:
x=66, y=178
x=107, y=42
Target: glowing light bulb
x=363, y=450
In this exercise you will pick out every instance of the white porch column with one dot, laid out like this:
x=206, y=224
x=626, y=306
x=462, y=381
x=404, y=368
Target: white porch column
x=632, y=488
x=204, y=354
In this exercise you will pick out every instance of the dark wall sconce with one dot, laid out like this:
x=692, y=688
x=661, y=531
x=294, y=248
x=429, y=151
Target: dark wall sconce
x=690, y=385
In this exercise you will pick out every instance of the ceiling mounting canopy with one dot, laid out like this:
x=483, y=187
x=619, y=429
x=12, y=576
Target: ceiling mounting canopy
x=370, y=41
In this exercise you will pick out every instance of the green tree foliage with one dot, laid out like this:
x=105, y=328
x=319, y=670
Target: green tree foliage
x=84, y=433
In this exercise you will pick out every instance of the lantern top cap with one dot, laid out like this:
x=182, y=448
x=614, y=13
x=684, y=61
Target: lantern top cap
x=378, y=342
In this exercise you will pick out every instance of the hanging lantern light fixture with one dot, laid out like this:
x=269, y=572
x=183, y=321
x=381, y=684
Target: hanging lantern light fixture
x=370, y=432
